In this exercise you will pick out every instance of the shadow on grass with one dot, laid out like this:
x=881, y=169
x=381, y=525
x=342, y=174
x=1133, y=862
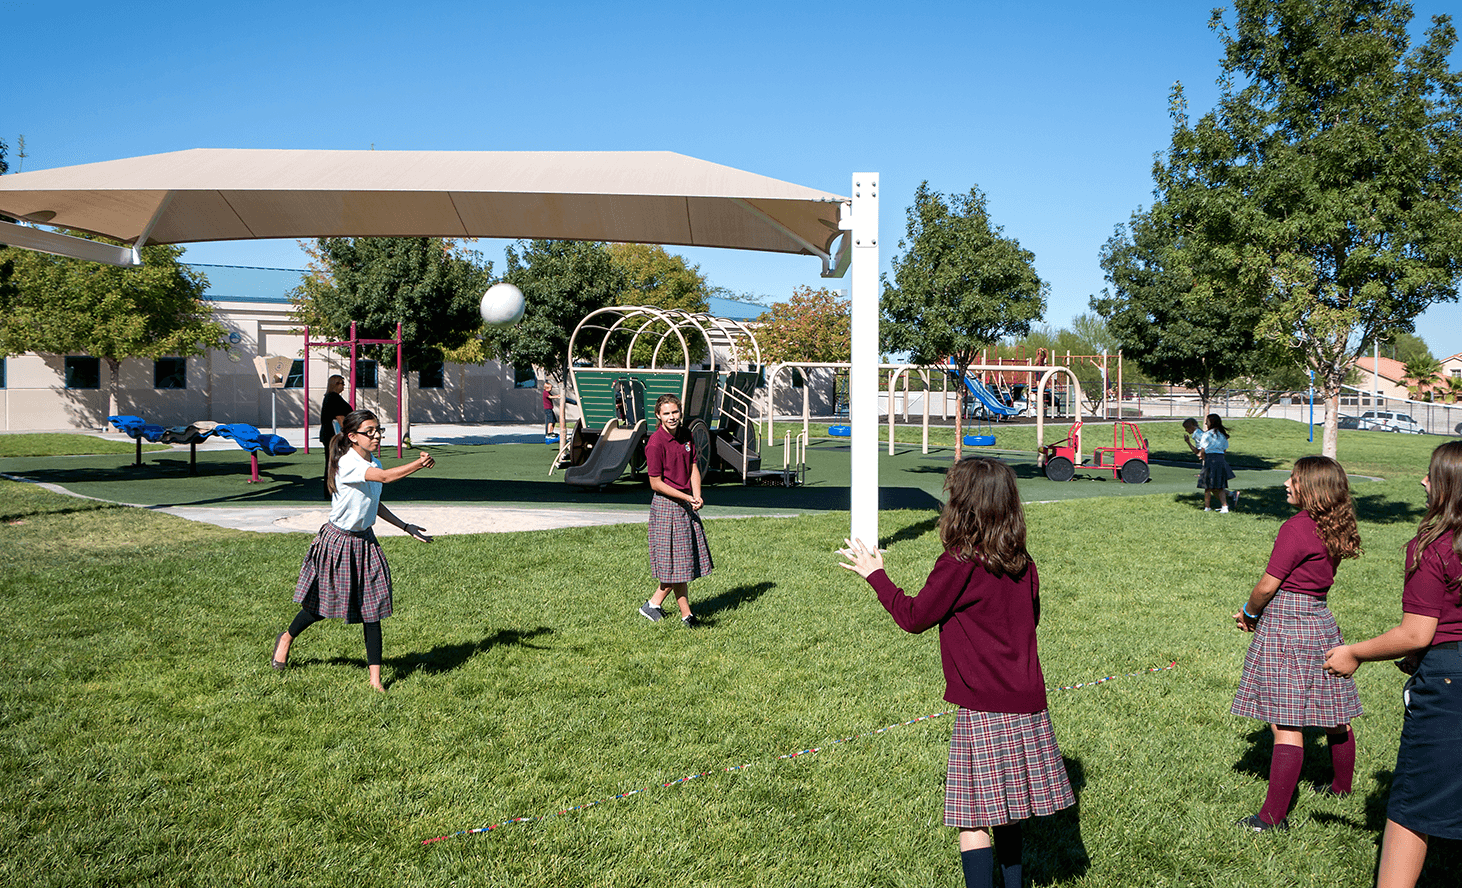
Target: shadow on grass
x=732, y=598
x=442, y=658
x=1054, y=849
x=912, y=532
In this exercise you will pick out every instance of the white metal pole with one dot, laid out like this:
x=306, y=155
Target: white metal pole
x=861, y=220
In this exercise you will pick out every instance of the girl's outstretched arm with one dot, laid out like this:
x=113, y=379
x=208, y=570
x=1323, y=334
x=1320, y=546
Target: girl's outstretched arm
x=1415, y=633
x=863, y=560
x=413, y=530
x=396, y=473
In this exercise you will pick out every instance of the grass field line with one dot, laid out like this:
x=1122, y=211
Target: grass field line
x=788, y=756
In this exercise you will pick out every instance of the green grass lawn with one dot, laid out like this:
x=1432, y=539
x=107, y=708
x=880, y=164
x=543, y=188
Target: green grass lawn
x=145, y=741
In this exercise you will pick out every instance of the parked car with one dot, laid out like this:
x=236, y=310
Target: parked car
x=1386, y=421
x=1348, y=422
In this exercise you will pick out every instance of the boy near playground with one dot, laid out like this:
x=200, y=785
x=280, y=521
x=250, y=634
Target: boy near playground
x=984, y=595
x=678, y=549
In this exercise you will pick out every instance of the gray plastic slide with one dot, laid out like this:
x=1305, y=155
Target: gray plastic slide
x=987, y=397
x=611, y=453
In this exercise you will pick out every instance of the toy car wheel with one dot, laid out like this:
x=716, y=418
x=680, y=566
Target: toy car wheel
x=1059, y=468
x=1134, y=471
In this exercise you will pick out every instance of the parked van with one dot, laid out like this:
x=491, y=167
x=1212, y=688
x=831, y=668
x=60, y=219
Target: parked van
x=1386, y=421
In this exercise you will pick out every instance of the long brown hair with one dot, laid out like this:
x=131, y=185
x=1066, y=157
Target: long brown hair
x=1215, y=424
x=984, y=520
x=1320, y=485
x=1443, y=503
x=341, y=442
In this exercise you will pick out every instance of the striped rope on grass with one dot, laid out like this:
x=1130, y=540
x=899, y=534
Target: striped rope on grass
x=812, y=750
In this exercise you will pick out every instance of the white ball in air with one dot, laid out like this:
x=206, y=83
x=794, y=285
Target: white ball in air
x=503, y=304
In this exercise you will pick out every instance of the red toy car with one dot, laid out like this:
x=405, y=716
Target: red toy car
x=1125, y=459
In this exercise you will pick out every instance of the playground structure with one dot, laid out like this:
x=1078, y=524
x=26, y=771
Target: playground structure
x=353, y=343
x=642, y=352
x=1043, y=377
x=1125, y=459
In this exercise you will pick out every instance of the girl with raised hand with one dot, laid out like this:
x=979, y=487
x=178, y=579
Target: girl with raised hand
x=344, y=575
x=1426, y=791
x=1284, y=682
x=984, y=595
x=1215, y=475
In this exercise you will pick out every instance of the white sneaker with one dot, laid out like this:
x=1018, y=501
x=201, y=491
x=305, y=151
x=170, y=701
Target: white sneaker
x=1223, y=511
x=1207, y=509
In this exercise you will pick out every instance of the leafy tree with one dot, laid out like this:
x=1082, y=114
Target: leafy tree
x=656, y=277
x=1176, y=323
x=814, y=325
x=959, y=286
x=1324, y=188
x=429, y=285
x=57, y=305
x=4, y=166
x=562, y=282
x=1400, y=346
x=1424, y=371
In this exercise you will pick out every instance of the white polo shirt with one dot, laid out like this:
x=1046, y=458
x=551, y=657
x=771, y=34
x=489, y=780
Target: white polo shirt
x=355, y=502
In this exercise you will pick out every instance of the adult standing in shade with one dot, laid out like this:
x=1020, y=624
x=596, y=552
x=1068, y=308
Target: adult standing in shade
x=333, y=411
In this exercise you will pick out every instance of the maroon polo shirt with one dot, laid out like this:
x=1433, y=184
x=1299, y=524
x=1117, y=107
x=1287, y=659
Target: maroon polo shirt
x=1432, y=590
x=670, y=457
x=1300, y=560
x=987, y=632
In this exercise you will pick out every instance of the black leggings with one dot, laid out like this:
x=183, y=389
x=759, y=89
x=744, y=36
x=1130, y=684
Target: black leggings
x=305, y=619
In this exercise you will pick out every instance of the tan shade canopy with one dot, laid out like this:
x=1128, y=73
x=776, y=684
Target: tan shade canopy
x=211, y=194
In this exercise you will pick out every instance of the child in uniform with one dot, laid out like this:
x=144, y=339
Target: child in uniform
x=984, y=595
x=1426, y=791
x=1215, y=476
x=345, y=574
x=678, y=549
x=1284, y=681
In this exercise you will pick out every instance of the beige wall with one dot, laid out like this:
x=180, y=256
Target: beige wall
x=223, y=385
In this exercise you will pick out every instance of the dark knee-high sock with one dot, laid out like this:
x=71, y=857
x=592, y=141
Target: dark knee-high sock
x=302, y=621
x=373, y=643
x=1342, y=757
x=1007, y=852
x=978, y=867
x=1284, y=776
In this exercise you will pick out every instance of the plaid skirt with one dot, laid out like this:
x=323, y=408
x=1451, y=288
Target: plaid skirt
x=345, y=576
x=678, y=549
x=1284, y=680
x=1003, y=767
x=1216, y=474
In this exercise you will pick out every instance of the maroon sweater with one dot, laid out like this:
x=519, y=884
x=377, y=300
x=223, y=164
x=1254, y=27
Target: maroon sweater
x=987, y=632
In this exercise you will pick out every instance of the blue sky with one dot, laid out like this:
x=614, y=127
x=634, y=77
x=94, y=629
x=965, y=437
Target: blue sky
x=1053, y=109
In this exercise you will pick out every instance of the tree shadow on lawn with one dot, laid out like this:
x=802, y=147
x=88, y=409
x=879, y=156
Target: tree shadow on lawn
x=1315, y=774
x=1444, y=857
x=1054, y=850
x=440, y=659
x=912, y=532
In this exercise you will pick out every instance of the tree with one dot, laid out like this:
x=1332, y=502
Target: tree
x=430, y=286
x=1424, y=371
x=656, y=277
x=814, y=325
x=1178, y=324
x=1324, y=189
x=562, y=282
x=57, y=305
x=959, y=286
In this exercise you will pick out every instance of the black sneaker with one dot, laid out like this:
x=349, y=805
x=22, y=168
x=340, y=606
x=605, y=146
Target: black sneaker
x=690, y=622
x=651, y=612
x=1325, y=789
x=1257, y=824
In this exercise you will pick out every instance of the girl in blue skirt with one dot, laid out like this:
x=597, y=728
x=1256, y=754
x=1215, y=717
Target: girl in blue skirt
x=984, y=595
x=345, y=574
x=1426, y=792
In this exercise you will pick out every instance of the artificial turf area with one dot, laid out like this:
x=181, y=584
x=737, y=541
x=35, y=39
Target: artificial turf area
x=144, y=740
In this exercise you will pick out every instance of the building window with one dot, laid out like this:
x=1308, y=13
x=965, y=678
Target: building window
x=1456, y=374
x=2, y=373
x=365, y=374
x=524, y=378
x=170, y=373
x=296, y=377
x=83, y=372
x=433, y=375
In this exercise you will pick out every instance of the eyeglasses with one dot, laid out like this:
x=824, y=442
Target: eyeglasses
x=374, y=433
